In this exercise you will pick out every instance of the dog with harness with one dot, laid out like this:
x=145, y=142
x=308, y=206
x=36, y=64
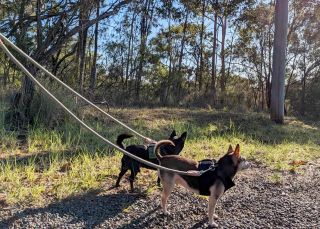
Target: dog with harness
x=146, y=152
x=214, y=178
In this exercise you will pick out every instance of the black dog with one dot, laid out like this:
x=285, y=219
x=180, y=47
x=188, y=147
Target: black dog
x=143, y=152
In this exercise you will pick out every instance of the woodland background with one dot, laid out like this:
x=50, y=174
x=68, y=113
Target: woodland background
x=207, y=53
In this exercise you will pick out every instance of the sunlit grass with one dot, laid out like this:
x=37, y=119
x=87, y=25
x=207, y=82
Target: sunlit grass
x=41, y=139
x=8, y=143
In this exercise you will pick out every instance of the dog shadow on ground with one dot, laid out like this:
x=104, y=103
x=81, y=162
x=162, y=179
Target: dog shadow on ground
x=143, y=221
x=88, y=210
x=159, y=220
x=155, y=218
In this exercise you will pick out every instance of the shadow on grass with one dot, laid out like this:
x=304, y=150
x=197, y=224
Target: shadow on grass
x=210, y=124
x=43, y=160
x=83, y=211
x=200, y=123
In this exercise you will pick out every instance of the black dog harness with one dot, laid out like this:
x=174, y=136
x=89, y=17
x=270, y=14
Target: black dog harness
x=210, y=175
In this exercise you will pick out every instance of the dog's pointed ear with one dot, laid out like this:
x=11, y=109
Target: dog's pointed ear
x=184, y=136
x=230, y=150
x=173, y=134
x=237, y=151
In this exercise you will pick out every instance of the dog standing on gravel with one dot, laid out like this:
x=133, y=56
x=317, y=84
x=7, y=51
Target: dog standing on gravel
x=143, y=152
x=213, y=183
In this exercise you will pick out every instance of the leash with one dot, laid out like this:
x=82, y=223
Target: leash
x=211, y=168
x=48, y=93
x=146, y=139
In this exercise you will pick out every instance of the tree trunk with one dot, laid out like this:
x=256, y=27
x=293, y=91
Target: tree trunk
x=261, y=70
x=143, y=42
x=303, y=86
x=183, y=40
x=179, y=75
x=223, y=65
x=83, y=16
x=27, y=87
x=279, y=61
x=214, y=68
x=94, y=61
x=170, y=75
x=129, y=54
x=293, y=67
x=39, y=26
x=303, y=95
x=268, y=75
x=6, y=73
x=200, y=73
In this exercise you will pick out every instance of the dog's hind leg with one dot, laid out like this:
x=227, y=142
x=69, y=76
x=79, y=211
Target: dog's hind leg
x=168, y=185
x=121, y=174
x=134, y=171
x=159, y=182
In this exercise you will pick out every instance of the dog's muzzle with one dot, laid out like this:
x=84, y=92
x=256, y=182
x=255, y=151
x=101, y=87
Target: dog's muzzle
x=244, y=165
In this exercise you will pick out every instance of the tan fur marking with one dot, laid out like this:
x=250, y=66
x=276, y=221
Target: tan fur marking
x=216, y=191
x=237, y=151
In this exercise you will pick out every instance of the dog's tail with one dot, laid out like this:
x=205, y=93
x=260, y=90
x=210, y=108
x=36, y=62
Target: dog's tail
x=121, y=137
x=158, y=145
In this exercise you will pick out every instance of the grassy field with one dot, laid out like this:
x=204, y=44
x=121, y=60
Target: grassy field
x=67, y=160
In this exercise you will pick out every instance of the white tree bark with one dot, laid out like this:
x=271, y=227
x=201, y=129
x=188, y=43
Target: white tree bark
x=279, y=58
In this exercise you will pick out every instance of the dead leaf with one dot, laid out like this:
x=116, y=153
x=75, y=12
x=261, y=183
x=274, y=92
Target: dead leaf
x=298, y=163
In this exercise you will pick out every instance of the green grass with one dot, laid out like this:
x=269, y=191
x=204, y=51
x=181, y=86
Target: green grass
x=68, y=160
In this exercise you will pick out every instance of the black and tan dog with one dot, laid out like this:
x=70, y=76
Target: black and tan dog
x=141, y=151
x=212, y=183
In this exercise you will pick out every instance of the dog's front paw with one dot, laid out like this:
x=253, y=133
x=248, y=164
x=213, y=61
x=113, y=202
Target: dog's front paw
x=215, y=216
x=213, y=224
x=166, y=212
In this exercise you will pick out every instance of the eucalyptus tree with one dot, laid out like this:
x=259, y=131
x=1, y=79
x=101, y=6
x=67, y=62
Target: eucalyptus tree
x=253, y=49
x=279, y=61
x=59, y=24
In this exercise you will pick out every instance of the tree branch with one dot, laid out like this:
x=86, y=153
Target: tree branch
x=58, y=44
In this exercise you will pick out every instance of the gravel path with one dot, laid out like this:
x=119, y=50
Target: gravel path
x=255, y=202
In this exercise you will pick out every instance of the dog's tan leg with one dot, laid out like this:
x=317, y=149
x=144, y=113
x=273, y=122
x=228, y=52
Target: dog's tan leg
x=211, y=210
x=168, y=185
x=216, y=191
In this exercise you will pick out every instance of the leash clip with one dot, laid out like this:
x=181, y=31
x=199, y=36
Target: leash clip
x=211, y=168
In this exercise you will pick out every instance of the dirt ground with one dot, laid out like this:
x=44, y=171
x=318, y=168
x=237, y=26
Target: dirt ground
x=261, y=199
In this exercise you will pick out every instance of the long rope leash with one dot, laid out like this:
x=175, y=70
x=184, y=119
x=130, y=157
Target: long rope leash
x=147, y=140
x=11, y=56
